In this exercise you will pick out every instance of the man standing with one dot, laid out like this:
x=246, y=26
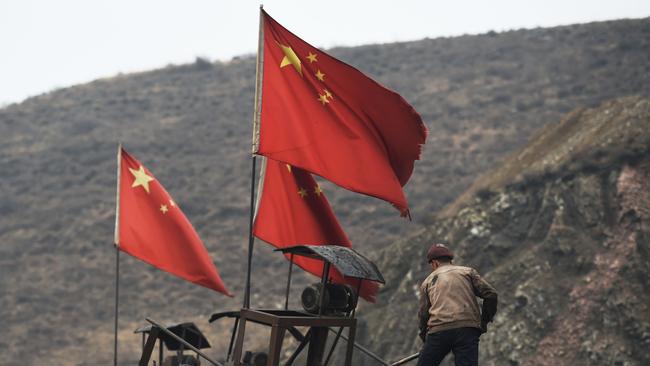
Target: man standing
x=450, y=319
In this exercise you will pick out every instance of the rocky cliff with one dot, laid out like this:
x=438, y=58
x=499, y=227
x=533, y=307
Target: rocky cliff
x=562, y=230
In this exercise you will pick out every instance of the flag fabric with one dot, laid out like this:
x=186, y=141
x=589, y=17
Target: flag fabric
x=152, y=228
x=292, y=210
x=322, y=115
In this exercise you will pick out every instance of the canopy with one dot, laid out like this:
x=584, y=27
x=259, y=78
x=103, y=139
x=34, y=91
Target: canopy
x=346, y=260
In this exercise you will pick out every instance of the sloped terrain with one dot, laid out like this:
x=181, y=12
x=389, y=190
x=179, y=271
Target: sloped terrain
x=481, y=96
x=567, y=247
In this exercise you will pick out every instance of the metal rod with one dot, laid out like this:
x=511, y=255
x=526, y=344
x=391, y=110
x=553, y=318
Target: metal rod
x=160, y=351
x=232, y=338
x=336, y=340
x=154, y=333
x=363, y=349
x=184, y=342
x=259, y=70
x=286, y=299
x=116, y=238
x=406, y=359
x=116, y=242
x=259, y=78
x=251, y=239
x=117, y=297
x=299, y=349
x=356, y=302
x=321, y=300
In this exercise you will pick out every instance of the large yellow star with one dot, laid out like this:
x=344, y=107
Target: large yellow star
x=141, y=178
x=290, y=58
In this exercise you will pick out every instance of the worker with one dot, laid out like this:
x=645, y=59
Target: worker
x=449, y=315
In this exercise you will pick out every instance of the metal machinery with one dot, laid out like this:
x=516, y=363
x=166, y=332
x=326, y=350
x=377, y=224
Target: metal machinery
x=324, y=311
x=334, y=307
x=177, y=337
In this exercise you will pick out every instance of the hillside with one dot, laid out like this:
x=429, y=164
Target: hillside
x=481, y=96
x=567, y=247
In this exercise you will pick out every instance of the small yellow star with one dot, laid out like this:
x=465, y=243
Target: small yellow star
x=302, y=192
x=289, y=168
x=311, y=57
x=323, y=99
x=163, y=209
x=318, y=190
x=320, y=76
x=328, y=94
x=141, y=178
x=290, y=58
x=172, y=203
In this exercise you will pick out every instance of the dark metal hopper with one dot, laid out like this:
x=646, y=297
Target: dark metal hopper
x=187, y=331
x=346, y=260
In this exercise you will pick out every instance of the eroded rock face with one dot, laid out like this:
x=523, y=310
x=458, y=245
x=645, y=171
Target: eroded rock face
x=569, y=255
x=572, y=277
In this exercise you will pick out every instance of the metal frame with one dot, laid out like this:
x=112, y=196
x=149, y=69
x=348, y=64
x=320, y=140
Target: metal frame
x=155, y=333
x=281, y=320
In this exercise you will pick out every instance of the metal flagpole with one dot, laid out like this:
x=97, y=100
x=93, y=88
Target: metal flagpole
x=116, y=241
x=251, y=239
x=255, y=145
x=117, y=296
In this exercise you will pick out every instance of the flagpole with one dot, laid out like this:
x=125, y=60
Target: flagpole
x=255, y=145
x=116, y=241
x=117, y=296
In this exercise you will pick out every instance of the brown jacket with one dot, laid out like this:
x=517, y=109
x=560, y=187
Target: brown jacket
x=448, y=300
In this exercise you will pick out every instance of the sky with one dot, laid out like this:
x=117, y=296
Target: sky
x=49, y=44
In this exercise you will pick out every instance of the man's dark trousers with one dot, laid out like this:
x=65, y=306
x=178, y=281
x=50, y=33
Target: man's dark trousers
x=463, y=342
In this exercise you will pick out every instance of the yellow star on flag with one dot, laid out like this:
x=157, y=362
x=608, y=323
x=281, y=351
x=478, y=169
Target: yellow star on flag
x=302, y=192
x=290, y=58
x=328, y=94
x=320, y=76
x=141, y=178
x=289, y=168
x=172, y=203
x=163, y=209
x=318, y=190
x=323, y=99
x=311, y=57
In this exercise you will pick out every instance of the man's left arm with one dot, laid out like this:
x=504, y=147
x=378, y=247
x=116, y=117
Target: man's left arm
x=489, y=295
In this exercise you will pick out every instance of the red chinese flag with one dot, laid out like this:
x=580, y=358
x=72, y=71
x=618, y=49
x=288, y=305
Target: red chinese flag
x=292, y=210
x=153, y=228
x=325, y=116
